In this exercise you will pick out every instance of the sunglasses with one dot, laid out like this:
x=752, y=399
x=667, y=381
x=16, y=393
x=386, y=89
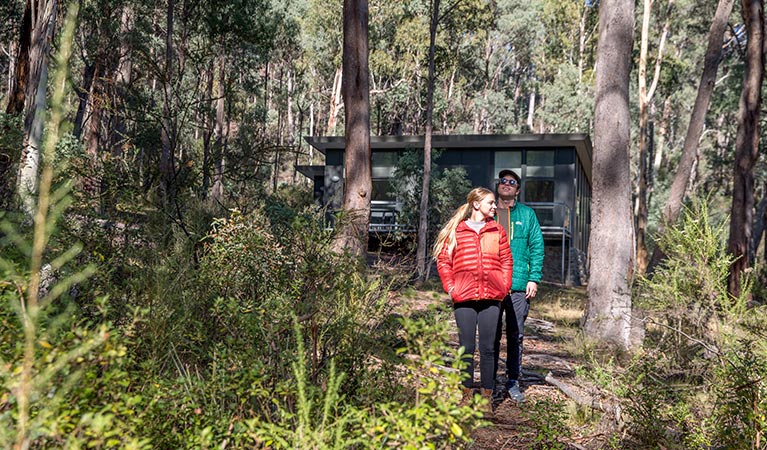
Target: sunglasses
x=509, y=181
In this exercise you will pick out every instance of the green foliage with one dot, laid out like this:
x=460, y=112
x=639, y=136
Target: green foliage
x=600, y=373
x=447, y=190
x=740, y=388
x=325, y=417
x=61, y=377
x=11, y=138
x=547, y=420
x=688, y=292
x=78, y=387
x=699, y=380
x=320, y=420
x=660, y=404
x=563, y=111
x=433, y=418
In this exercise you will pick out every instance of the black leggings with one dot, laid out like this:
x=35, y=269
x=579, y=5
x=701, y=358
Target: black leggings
x=469, y=316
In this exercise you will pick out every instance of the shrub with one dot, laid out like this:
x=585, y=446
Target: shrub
x=699, y=380
x=546, y=419
x=740, y=389
x=326, y=416
x=448, y=190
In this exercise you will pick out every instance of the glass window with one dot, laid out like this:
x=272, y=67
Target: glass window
x=539, y=191
x=508, y=160
x=540, y=163
x=382, y=190
x=384, y=164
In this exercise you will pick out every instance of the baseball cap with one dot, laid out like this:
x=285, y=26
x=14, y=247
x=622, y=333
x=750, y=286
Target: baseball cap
x=508, y=172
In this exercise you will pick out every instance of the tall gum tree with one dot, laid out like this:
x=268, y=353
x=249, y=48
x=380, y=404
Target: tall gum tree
x=746, y=144
x=353, y=229
x=43, y=16
x=611, y=246
x=645, y=137
x=423, y=222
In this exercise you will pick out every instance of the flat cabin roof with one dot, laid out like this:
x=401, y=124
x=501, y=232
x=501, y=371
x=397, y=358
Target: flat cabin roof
x=580, y=141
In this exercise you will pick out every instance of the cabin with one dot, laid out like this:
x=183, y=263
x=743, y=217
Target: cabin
x=556, y=182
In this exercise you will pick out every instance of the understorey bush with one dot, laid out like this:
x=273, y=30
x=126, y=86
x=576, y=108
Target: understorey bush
x=424, y=414
x=700, y=378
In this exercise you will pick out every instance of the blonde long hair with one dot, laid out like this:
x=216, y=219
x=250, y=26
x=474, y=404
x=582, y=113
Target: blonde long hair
x=446, y=235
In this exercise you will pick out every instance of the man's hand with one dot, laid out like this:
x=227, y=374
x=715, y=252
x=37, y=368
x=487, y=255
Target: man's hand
x=532, y=290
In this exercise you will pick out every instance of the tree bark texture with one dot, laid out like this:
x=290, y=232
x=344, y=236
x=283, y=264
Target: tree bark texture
x=758, y=227
x=207, y=134
x=83, y=95
x=43, y=17
x=746, y=144
x=17, y=93
x=335, y=101
x=353, y=233
x=608, y=315
x=422, y=256
x=697, y=121
x=660, y=146
x=219, y=146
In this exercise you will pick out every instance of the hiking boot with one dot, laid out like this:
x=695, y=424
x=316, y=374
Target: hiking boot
x=467, y=394
x=487, y=410
x=512, y=388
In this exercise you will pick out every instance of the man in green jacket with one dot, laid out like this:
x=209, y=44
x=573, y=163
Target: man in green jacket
x=526, y=241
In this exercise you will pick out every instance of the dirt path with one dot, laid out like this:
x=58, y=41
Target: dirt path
x=516, y=426
x=542, y=418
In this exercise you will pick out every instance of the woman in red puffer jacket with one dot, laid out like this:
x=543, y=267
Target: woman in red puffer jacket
x=475, y=265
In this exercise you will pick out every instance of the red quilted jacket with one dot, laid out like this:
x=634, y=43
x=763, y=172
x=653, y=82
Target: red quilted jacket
x=481, y=265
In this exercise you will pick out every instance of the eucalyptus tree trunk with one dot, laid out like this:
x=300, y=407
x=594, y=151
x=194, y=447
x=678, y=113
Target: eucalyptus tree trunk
x=697, y=121
x=208, y=127
x=758, y=226
x=645, y=97
x=220, y=133
x=97, y=106
x=611, y=245
x=42, y=25
x=661, y=144
x=352, y=232
x=123, y=74
x=167, y=134
x=335, y=102
x=422, y=256
x=18, y=72
x=83, y=96
x=531, y=112
x=746, y=144
x=19, y=80
x=582, y=38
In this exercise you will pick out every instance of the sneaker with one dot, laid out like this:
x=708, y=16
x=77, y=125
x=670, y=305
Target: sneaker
x=512, y=387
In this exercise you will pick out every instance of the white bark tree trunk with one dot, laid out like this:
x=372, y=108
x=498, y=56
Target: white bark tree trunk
x=43, y=17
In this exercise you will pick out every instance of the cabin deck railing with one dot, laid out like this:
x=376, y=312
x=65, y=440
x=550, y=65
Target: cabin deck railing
x=555, y=219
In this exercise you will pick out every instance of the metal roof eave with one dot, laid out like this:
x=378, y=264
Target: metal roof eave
x=311, y=171
x=580, y=141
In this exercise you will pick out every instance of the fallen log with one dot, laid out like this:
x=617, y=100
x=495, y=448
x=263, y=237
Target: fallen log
x=585, y=400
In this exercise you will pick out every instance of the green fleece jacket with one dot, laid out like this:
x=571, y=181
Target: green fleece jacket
x=526, y=241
